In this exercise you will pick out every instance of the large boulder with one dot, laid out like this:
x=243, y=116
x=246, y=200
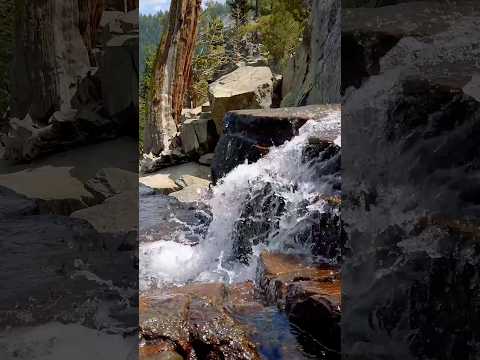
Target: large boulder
x=249, y=133
x=313, y=73
x=248, y=87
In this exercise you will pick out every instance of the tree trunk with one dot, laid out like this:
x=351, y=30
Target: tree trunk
x=50, y=57
x=171, y=76
x=89, y=20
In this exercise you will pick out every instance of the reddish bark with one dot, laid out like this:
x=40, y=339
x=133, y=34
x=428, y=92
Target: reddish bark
x=89, y=20
x=172, y=75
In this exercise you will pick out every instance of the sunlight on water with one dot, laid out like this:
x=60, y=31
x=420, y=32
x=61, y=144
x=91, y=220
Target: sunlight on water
x=289, y=179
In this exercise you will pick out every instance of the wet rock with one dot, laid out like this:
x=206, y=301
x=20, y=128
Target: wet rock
x=315, y=307
x=249, y=133
x=309, y=293
x=276, y=271
x=259, y=219
x=247, y=87
x=192, y=319
x=313, y=74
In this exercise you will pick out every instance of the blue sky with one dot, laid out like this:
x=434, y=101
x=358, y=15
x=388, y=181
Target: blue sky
x=153, y=6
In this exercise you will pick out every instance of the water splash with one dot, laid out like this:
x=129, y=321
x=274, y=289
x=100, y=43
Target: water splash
x=264, y=205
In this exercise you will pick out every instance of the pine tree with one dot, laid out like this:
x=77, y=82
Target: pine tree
x=239, y=11
x=209, y=57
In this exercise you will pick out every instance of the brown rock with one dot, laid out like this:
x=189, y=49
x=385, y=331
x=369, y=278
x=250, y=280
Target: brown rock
x=277, y=271
x=190, y=320
x=310, y=294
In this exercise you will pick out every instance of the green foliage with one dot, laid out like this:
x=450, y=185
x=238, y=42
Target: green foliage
x=281, y=30
x=210, y=50
x=144, y=93
x=239, y=11
x=7, y=13
x=209, y=57
x=151, y=27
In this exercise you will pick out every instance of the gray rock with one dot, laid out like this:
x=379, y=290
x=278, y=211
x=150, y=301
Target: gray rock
x=115, y=215
x=198, y=136
x=167, y=180
x=206, y=159
x=193, y=188
x=247, y=87
x=313, y=74
x=112, y=181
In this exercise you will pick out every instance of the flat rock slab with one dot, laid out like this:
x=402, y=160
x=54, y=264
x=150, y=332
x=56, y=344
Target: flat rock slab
x=114, y=215
x=275, y=126
x=165, y=180
x=54, y=187
x=58, y=181
x=193, y=188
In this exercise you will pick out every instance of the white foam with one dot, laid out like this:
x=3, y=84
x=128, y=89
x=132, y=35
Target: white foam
x=292, y=179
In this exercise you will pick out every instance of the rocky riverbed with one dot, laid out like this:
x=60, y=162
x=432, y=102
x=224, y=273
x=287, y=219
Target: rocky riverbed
x=248, y=268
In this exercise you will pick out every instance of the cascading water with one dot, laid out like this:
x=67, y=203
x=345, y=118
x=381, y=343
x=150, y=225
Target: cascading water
x=278, y=203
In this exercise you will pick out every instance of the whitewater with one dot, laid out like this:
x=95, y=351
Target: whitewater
x=289, y=178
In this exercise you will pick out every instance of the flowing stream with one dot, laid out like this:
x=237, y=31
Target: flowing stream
x=274, y=204
x=265, y=205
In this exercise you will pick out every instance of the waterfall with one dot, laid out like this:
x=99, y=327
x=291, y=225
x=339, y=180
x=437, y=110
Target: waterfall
x=277, y=203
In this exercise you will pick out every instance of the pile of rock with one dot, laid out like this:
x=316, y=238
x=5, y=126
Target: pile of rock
x=247, y=86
